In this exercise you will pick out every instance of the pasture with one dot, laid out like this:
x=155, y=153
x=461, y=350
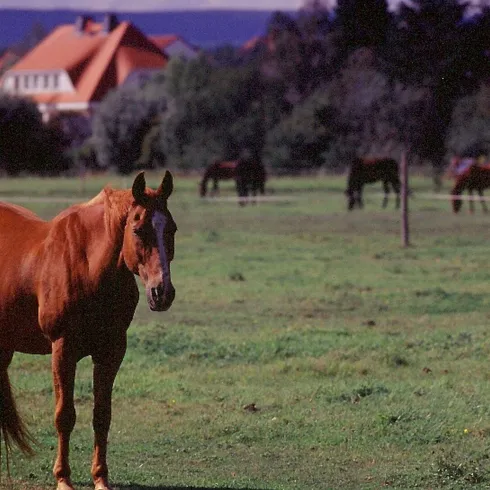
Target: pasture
x=305, y=349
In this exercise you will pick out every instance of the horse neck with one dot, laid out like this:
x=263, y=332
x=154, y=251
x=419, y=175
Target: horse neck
x=106, y=232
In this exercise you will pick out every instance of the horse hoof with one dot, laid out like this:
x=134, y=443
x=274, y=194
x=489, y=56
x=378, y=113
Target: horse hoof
x=102, y=484
x=64, y=484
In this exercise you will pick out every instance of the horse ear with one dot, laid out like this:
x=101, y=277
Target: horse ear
x=139, y=186
x=166, y=187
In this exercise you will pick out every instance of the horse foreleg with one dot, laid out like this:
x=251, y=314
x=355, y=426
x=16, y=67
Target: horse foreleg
x=482, y=201
x=63, y=367
x=471, y=203
x=360, y=200
x=105, y=371
x=215, y=187
x=242, y=191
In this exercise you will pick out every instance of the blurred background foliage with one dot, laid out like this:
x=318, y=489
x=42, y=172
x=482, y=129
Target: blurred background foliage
x=316, y=89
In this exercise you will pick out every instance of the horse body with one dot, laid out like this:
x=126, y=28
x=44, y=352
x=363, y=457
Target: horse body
x=368, y=171
x=68, y=289
x=474, y=178
x=218, y=170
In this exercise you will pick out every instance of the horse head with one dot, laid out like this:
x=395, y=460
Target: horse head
x=148, y=246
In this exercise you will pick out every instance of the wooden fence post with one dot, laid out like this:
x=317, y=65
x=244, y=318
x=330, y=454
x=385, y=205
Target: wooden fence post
x=405, y=232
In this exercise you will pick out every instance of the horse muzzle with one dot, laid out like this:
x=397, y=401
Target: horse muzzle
x=159, y=299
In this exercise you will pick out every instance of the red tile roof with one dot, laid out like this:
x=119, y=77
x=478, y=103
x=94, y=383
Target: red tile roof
x=165, y=40
x=95, y=61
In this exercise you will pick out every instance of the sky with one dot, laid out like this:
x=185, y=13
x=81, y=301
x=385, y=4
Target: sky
x=132, y=5
x=162, y=5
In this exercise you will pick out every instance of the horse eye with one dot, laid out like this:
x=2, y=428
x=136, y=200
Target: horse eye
x=137, y=217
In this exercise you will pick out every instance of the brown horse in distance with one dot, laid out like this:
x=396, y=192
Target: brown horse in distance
x=368, y=171
x=474, y=178
x=67, y=288
x=218, y=170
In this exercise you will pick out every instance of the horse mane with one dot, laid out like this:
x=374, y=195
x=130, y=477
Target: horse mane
x=116, y=205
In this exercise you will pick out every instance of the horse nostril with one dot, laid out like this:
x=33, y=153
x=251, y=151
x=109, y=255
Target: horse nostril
x=156, y=293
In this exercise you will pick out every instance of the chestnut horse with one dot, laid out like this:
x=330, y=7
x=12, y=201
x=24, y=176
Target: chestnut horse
x=218, y=170
x=250, y=178
x=367, y=171
x=474, y=178
x=67, y=288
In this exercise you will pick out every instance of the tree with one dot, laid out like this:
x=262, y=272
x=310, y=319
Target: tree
x=213, y=112
x=470, y=124
x=364, y=23
x=27, y=145
x=302, y=53
x=121, y=123
x=297, y=143
x=437, y=47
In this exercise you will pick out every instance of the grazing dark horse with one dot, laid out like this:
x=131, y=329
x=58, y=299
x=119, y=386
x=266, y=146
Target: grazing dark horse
x=250, y=178
x=67, y=288
x=367, y=171
x=474, y=178
x=218, y=170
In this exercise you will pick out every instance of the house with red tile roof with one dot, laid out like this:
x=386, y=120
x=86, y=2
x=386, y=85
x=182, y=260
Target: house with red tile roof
x=174, y=46
x=76, y=65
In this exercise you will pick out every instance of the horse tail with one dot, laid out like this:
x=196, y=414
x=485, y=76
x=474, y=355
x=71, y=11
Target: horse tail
x=456, y=191
x=12, y=428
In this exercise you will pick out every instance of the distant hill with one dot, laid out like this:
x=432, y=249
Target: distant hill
x=206, y=28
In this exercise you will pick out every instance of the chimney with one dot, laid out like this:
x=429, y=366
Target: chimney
x=110, y=23
x=81, y=23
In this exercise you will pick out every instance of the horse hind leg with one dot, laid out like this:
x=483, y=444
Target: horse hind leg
x=386, y=189
x=215, y=187
x=63, y=366
x=12, y=429
x=105, y=371
x=397, y=187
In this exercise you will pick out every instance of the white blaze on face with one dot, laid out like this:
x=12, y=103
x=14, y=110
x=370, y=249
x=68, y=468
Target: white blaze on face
x=159, y=223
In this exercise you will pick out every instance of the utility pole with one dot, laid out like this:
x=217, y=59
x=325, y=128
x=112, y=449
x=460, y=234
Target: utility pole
x=405, y=231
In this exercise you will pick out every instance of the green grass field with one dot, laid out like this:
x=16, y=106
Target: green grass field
x=306, y=349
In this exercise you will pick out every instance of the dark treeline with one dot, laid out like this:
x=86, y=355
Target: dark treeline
x=315, y=90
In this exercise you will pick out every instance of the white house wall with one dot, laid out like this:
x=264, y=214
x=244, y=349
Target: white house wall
x=36, y=82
